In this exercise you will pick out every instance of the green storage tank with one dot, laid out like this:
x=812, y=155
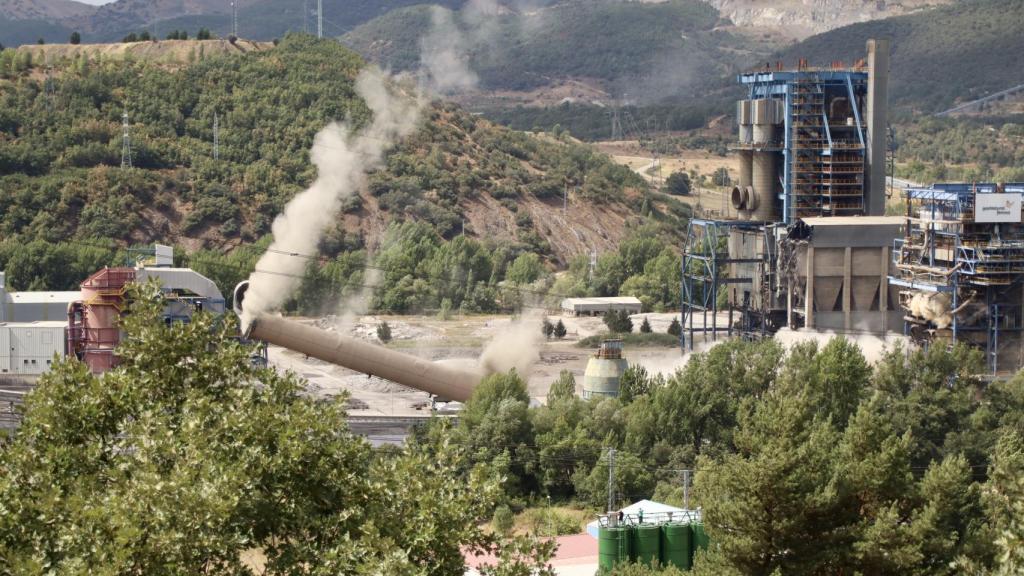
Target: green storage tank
x=613, y=546
x=700, y=537
x=648, y=544
x=677, y=545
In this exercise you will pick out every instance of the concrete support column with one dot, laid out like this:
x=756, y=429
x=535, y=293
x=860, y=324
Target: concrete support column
x=809, y=303
x=883, y=289
x=847, y=287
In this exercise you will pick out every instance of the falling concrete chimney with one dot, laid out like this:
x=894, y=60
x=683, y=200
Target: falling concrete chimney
x=878, y=120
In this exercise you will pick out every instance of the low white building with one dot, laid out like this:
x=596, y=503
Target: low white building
x=34, y=306
x=601, y=306
x=28, y=348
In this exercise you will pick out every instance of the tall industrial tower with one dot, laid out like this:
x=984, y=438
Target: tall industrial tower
x=126, y=142
x=319, y=18
x=234, y=20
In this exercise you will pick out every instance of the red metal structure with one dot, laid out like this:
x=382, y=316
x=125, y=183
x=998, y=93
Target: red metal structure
x=92, y=322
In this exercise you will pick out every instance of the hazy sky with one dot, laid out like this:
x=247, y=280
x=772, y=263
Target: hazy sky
x=95, y=2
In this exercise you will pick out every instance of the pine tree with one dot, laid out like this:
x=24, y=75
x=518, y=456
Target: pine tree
x=645, y=327
x=675, y=328
x=76, y=38
x=560, y=330
x=384, y=332
x=547, y=328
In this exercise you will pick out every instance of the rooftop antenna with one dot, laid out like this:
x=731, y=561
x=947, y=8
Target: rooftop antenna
x=319, y=18
x=126, y=142
x=216, y=137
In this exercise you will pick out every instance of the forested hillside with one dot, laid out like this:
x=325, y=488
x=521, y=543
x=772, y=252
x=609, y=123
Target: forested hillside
x=953, y=53
x=648, y=50
x=61, y=153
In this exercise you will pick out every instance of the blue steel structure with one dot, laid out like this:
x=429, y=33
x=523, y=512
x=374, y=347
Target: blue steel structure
x=979, y=266
x=705, y=265
x=824, y=145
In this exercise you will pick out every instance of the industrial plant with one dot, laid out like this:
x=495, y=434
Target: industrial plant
x=811, y=246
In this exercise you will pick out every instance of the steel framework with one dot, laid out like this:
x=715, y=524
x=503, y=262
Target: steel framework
x=980, y=266
x=704, y=267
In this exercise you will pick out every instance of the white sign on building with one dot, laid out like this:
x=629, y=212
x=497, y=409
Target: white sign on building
x=997, y=208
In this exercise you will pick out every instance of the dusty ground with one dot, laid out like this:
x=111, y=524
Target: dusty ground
x=165, y=51
x=713, y=202
x=458, y=338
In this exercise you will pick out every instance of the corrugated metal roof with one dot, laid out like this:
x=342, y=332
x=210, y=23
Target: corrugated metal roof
x=44, y=297
x=602, y=300
x=854, y=220
x=36, y=324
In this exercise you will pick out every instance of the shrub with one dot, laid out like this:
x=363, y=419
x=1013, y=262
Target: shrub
x=503, y=520
x=384, y=332
x=559, y=330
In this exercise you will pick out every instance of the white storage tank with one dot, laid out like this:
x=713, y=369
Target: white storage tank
x=604, y=371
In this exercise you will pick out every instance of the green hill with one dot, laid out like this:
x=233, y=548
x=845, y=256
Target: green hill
x=645, y=50
x=941, y=56
x=60, y=156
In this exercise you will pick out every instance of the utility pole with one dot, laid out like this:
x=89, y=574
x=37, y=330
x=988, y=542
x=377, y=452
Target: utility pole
x=593, y=264
x=216, y=137
x=319, y=18
x=305, y=16
x=126, y=142
x=686, y=490
x=611, y=480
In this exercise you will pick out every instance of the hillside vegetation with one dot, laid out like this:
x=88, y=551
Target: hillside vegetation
x=648, y=50
x=953, y=53
x=60, y=152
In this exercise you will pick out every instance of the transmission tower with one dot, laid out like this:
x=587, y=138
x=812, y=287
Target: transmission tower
x=616, y=124
x=126, y=142
x=319, y=18
x=216, y=137
x=234, y=20
x=305, y=16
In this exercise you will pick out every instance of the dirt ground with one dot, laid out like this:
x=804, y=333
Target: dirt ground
x=457, y=338
x=712, y=201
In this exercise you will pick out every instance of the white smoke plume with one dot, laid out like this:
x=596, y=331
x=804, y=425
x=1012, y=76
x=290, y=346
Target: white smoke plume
x=342, y=157
x=444, y=56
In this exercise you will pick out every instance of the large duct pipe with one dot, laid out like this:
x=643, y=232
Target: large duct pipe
x=743, y=118
x=438, y=379
x=877, y=121
x=764, y=187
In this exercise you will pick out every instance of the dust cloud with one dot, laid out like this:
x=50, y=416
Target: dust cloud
x=444, y=56
x=342, y=156
x=934, y=307
x=517, y=347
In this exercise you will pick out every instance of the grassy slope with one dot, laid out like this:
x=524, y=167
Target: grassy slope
x=940, y=56
x=647, y=50
x=59, y=155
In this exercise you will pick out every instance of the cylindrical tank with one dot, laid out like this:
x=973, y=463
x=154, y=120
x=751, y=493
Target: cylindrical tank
x=746, y=168
x=763, y=175
x=605, y=370
x=612, y=546
x=418, y=373
x=764, y=118
x=677, y=545
x=700, y=538
x=743, y=119
x=648, y=544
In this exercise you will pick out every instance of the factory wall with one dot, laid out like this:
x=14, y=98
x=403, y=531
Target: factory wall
x=840, y=275
x=29, y=348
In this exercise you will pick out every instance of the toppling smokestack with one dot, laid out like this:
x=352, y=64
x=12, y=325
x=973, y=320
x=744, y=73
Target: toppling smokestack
x=877, y=120
x=442, y=380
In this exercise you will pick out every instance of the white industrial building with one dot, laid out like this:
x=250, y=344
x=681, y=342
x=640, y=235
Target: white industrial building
x=34, y=306
x=601, y=306
x=28, y=348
